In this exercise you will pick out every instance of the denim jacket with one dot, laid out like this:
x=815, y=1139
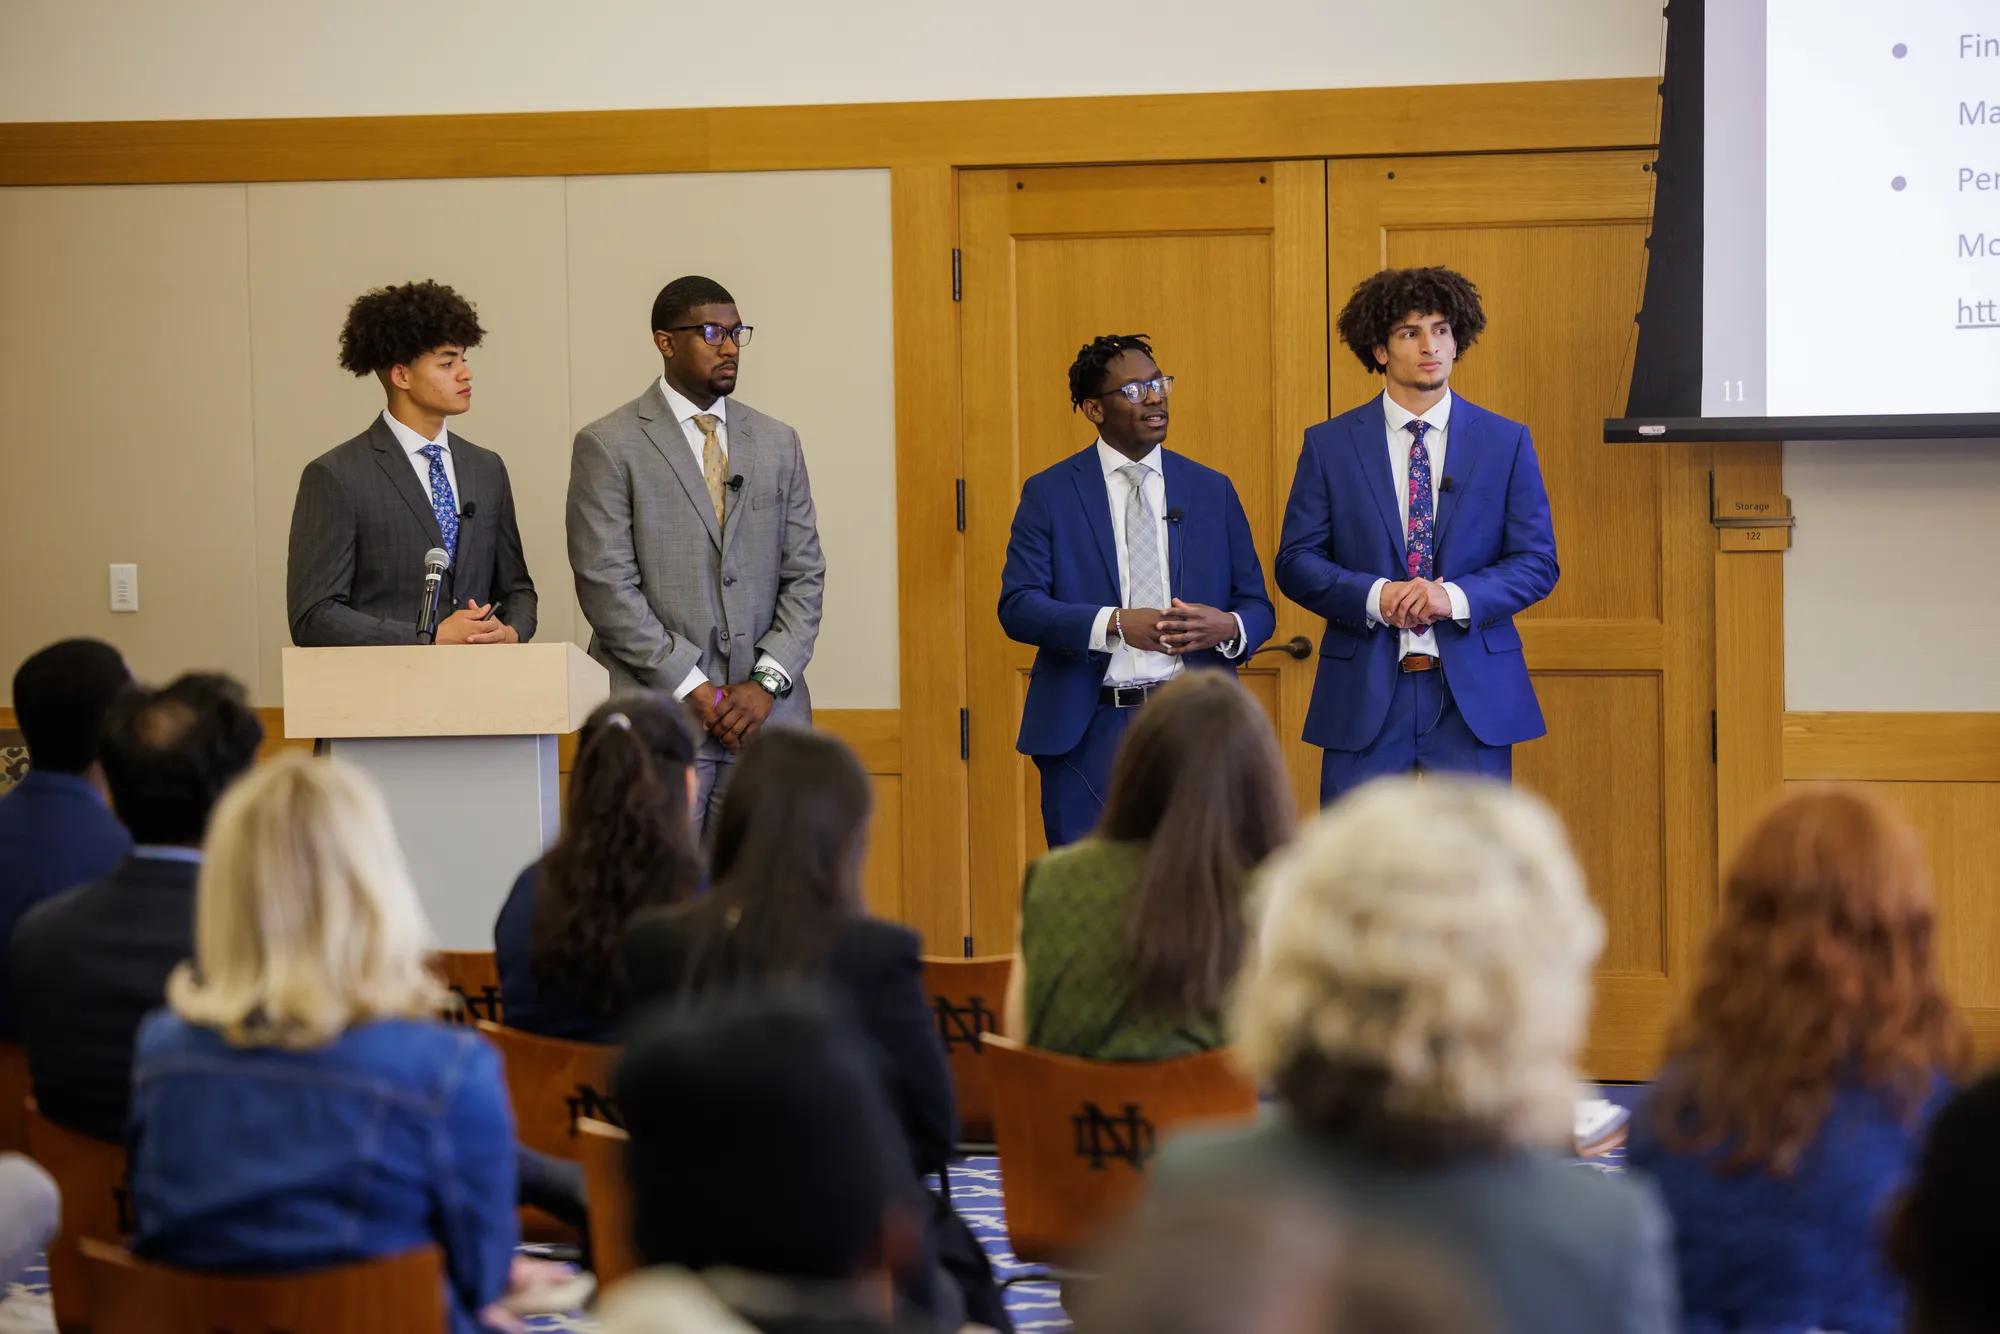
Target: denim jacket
x=395, y=1135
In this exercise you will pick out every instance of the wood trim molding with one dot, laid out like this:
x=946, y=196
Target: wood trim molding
x=1174, y=127
x=1893, y=747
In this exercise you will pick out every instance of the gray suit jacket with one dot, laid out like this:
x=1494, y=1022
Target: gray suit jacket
x=361, y=525
x=1555, y=1247
x=664, y=587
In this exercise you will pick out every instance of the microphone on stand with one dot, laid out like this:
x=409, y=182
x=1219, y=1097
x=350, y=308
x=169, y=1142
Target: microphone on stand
x=435, y=564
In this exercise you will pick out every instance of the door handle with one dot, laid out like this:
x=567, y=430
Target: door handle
x=1298, y=647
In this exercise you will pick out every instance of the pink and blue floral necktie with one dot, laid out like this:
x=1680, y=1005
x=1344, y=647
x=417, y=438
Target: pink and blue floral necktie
x=1418, y=557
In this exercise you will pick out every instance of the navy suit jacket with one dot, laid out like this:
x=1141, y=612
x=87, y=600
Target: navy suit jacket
x=1492, y=538
x=55, y=831
x=1062, y=569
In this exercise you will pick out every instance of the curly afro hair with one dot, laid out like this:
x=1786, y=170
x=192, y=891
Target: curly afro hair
x=393, y=326
x=1086, y=373
x=1380, y=303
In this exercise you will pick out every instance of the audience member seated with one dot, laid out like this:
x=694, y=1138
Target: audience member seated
x=770, y=1182
x=29, y=1213
x=1269, y=1261
x=298, y=1106
x=1816, y=1046
x=56, y=829
x=786, y=903
x=89, y=963
x=1941, y=1236
x=1129, y=938
x=1422, y=984
x=627, y=843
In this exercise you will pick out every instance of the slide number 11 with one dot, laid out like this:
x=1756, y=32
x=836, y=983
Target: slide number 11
x=1732, y=391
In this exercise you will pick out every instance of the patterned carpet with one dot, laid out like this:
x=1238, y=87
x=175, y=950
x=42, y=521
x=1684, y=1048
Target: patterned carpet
x=975, y=1193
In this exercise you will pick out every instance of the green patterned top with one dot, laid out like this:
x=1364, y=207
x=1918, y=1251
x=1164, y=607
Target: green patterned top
x=1076, y=910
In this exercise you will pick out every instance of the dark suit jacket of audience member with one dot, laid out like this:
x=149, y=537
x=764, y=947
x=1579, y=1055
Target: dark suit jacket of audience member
x=87, y=966
x=874, y=967
x=525, y=1003
x=55, y=831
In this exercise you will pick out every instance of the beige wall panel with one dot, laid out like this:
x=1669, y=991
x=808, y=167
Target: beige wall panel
x=125, y=424
x=806, y=255
x=313, y=249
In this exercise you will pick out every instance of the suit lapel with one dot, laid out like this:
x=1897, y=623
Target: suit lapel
x=745, y=455
x=395, y=465
x=472, y=490
x=667, y=437
x=1175, y=479
x=1463, y=449
x=1371, y=452
x=1095, y=498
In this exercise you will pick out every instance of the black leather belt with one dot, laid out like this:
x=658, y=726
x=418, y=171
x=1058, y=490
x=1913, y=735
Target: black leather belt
x=1127, y=697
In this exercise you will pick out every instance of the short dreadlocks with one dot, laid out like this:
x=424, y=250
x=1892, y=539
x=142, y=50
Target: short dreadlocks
x=1086, y=373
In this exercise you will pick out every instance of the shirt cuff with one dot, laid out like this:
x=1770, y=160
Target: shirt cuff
x=1100, y=631
x=1234, y=648
x=1461, y=611
x=693, y=681
x=1372, y=604
x=766, y=660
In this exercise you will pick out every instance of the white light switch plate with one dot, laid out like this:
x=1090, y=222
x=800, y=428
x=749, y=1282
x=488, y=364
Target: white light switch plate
x=124, y=588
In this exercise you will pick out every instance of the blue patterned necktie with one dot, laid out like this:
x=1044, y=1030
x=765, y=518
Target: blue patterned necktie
x=443, y=503
x=1418, y=558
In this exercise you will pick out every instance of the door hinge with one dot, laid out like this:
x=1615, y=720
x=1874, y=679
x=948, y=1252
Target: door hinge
x=968, y=947
x=965, y=734
x=957, y=274
x=961, y=504
x=1714, y=738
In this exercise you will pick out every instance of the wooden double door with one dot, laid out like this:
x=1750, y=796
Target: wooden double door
x=1235, y=271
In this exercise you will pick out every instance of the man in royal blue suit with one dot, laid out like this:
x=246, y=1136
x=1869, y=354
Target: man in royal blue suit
x=1419, y=527
x=1126, y=564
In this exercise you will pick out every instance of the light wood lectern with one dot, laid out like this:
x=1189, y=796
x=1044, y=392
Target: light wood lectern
x=462, y=740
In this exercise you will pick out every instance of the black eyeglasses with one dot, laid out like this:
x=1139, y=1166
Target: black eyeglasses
x=1135, y=391
x=713, y=334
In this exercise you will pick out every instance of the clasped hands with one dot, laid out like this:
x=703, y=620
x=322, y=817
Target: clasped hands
x=730, y=714
x=475, y=623
x=1185, y=627
x=1413, y=604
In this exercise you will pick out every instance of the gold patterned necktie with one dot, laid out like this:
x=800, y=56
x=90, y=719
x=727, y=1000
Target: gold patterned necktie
x=712, y=461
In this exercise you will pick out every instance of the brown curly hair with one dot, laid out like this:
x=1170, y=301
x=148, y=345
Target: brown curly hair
x=1380, y=303
x=393, y=326
x=1819, y=973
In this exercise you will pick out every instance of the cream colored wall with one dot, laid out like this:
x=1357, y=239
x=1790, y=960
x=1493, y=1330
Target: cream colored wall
x=196, y=59
x=174, y=347
x=1889, y=586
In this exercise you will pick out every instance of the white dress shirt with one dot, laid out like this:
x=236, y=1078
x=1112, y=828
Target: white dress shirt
x=1130, y=665
x=1396, y=418
x=414, y=445
x=685, y=413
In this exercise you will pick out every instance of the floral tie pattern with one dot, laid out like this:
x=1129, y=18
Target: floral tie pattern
x=443, y=503
x=1418, y=558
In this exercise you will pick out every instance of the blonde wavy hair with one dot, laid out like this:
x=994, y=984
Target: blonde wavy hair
x=305, y=919
x=1423, y=977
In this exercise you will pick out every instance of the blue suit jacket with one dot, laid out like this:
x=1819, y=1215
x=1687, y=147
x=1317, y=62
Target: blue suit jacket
x=55, y=831
x=1062, y=569
x=1492, y=538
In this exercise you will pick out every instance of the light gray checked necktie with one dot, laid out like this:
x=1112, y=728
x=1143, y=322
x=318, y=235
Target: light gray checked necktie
x=1144, y=583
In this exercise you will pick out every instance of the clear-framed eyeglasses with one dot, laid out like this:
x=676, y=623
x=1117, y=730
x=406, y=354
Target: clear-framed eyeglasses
x=1138, y=391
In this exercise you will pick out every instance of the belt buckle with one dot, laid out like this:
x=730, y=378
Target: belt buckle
x=1127, y=697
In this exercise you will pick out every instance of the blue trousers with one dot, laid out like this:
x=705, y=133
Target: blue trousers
x=1074, y=785
x=1424, y=733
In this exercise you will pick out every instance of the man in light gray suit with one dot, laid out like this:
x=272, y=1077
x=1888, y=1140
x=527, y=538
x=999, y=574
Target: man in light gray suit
x=694, y=542
x=369, y=509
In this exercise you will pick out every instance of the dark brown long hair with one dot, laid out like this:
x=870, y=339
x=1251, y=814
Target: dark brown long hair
x=1199, y=781
x=789, y=841
x=1819, y=972
x=627, y=843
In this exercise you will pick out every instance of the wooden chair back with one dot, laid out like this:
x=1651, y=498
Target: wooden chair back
x=133, y=1296
x=967, y=998
x=95, y=1205
x=15, y=1090
x=475, y=979
x=1075, y=1136
x=601, y=1149
x=553, y=1085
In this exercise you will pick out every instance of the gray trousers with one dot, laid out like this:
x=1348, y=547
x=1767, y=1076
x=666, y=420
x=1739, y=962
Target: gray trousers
x=712, y=767
x=30, y=1211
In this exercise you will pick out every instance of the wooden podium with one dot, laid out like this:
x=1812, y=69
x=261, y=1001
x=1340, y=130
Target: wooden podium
x=462, y=740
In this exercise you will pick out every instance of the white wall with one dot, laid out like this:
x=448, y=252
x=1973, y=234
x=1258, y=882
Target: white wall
x=199, y=59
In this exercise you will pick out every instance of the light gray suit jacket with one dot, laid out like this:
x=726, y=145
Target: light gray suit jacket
x=664, y=587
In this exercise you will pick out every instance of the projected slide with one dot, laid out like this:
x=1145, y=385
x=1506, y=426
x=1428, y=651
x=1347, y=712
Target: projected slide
x=1852, y=212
